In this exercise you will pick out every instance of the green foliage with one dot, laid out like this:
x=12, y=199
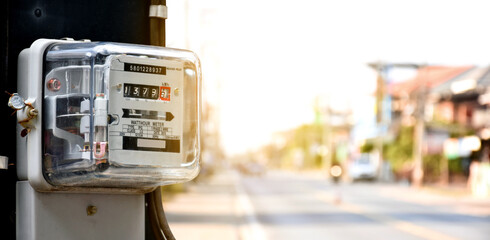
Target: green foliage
x=455, y=130
x=455, y=166
x=367, y=147
x=304, y=138
x=432, y=166
x=318, y=161
x=400, y=151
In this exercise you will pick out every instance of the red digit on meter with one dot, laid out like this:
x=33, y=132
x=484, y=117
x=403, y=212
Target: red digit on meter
x=165, y=93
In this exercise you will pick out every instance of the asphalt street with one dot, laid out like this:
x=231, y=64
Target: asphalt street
x=290, y=205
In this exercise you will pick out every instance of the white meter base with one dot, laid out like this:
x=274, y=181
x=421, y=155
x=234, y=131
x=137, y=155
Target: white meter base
x=78, y=216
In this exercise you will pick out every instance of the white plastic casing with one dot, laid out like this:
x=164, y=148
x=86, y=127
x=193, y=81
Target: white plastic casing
x=112, y=117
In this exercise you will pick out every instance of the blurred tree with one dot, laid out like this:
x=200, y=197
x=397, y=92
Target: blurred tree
x=367, y=147
x=400, y=152
x=433, y=167
x=304, y=141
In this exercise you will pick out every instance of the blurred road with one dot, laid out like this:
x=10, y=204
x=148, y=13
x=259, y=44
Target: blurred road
x=287, y=205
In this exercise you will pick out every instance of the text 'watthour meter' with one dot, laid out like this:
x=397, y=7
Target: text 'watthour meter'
x=108, y=115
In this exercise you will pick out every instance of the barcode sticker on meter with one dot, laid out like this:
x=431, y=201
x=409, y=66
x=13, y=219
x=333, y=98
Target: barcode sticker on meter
x=150, y=143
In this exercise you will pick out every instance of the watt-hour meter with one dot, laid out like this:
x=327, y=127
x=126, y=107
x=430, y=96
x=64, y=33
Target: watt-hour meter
x=108, y=115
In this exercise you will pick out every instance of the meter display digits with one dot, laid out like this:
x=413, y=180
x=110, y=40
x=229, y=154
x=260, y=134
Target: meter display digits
x=141, y=91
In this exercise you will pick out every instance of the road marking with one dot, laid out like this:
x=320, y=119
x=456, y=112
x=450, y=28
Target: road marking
x=251, y=229
x=403, y=226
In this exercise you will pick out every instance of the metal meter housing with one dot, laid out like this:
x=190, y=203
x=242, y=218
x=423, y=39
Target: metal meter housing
x=111, y=115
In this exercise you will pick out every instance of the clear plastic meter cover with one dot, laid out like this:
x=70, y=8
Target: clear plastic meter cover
x=120, y=115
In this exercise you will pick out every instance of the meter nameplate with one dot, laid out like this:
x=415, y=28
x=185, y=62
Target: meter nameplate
x=150, y=113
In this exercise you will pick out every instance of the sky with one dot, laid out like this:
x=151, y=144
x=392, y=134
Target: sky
x=265, y=61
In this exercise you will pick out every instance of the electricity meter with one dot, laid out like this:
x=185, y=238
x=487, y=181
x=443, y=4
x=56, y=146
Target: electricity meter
x=108, y=115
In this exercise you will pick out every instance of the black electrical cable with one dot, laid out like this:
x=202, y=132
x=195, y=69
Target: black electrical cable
x=156, y=216
x=152, y=220
x=160, y=213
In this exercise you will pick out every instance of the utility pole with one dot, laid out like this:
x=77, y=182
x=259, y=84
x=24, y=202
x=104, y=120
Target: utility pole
x=380, y=121
x=75, y=180
x=23, y=22
x=380, y=95
x=327, y=134
x=419, y=132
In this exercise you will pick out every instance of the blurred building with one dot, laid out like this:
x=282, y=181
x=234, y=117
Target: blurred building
x=406, y=102
x=404, y=93
x=452, y=102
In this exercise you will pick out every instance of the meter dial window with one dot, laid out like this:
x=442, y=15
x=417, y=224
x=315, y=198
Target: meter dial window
x=140, y=91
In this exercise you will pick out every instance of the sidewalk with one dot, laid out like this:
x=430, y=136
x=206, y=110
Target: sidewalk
x=207, y=210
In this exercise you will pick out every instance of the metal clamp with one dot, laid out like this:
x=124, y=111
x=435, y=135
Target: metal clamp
x=158, y=11
x=25, y=112
x=4, y=162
